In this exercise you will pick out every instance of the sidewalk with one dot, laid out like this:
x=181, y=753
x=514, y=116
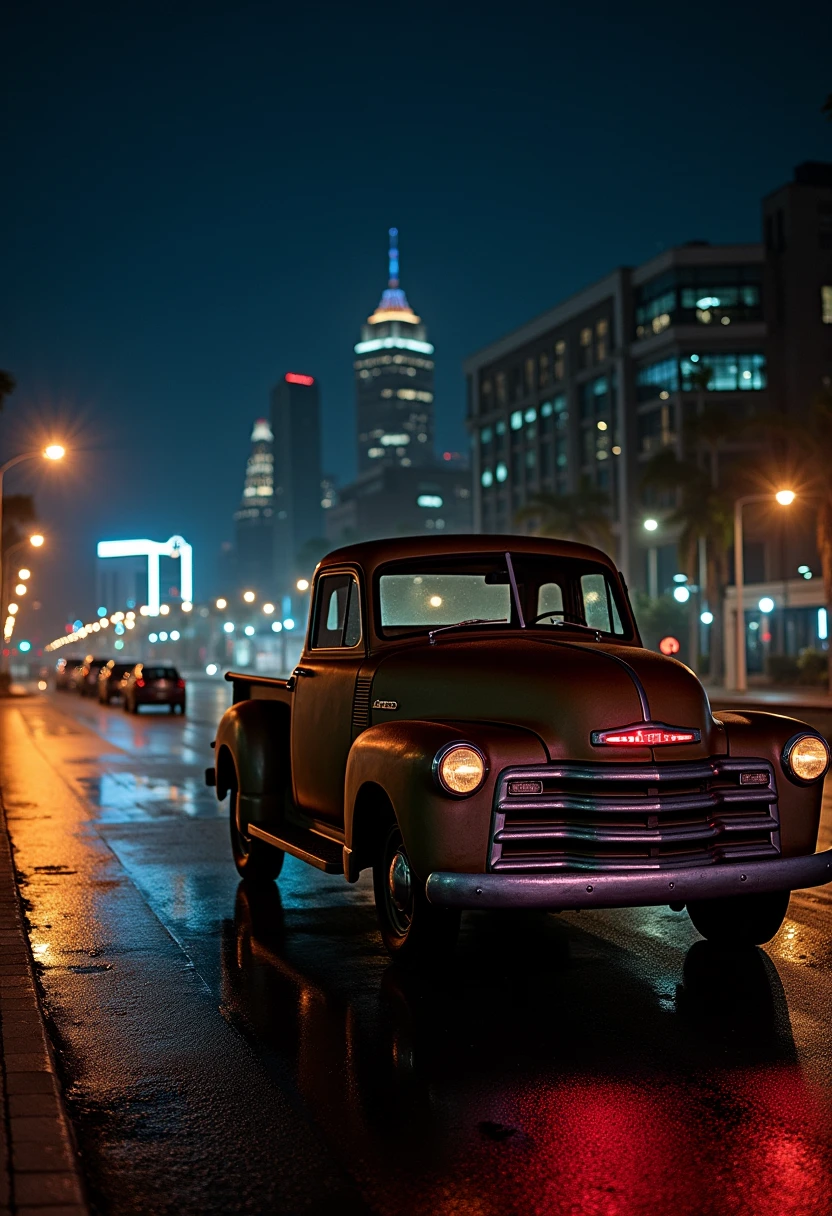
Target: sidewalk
x=770, y=697
x=39, y=1169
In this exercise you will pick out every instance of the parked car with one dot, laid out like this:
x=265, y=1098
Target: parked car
x=475, y=718
x=65, y=672
x=87, y=681
x=110, y=679
x=153, y=684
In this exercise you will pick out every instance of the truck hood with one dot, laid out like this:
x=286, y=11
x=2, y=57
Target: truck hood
x=562, y=690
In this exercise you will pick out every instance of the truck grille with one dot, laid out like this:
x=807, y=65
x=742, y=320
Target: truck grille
x=622, y=817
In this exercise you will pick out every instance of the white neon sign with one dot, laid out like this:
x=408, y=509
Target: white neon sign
x=176, y=547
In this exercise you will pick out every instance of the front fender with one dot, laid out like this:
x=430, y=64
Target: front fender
x=394, y=760
x=759, y=734
x=252, y=749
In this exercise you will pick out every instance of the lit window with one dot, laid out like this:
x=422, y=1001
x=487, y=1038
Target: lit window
x=374, y=453
x=501, y=472
x=485, y=434
x=487, y=477
x=546, y=409
x=826, y=305
x=531, y=415
x=517, y=420
x=586, y=337
x=429, y=500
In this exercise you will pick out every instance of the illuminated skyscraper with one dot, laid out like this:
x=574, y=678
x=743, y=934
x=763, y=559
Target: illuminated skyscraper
x=296, y=424
x=254, y=519
x=394, y=381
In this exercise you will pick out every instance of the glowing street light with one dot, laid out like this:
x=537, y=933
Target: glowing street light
x=24, y=573
x=20, y=589
x=55, y=451
x=783, y=498
x=650, y=525
x=36, y=540
x=221, y=603
x=302, y=584
x=249, y=597
x=268, y=609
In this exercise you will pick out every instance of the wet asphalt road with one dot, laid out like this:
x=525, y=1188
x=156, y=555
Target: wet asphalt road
x=223, y=1054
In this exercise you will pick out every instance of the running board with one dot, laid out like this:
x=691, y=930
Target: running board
x=315, y=850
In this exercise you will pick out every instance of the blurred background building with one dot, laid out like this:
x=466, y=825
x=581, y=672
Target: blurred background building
x=254, y=519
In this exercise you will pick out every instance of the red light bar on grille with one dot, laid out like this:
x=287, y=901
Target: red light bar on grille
x=297, y=378
x=644, y=734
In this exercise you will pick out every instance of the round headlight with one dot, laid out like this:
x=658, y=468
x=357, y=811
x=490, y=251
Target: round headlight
x=806, y=757
x=460, y=769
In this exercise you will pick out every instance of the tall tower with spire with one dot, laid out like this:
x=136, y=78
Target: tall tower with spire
x=394, y=380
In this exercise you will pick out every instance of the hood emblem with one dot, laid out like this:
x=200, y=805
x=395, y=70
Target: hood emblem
x=385, y=705
x=644, y=734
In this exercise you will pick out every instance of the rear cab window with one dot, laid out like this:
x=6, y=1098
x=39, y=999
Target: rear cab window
x=337, y=616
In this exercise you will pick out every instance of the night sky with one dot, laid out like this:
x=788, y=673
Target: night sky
x=196, y=197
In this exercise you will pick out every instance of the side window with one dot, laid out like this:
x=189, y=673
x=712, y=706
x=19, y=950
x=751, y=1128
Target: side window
x=599, y=607
x=337, y=613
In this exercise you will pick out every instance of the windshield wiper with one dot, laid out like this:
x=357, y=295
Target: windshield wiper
x=477, y=620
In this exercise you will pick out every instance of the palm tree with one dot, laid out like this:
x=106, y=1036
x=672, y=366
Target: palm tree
x=7, y=386
x=582, y=516
x=703, y=512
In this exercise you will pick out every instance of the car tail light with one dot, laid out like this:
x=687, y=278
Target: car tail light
x=180, y=683
x=644, y=734
x=139, y=683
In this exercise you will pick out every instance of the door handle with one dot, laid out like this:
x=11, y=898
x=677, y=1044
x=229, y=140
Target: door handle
x=302, y=671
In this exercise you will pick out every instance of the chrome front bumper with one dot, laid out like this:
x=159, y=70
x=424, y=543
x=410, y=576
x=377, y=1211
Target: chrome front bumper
x=627, y=888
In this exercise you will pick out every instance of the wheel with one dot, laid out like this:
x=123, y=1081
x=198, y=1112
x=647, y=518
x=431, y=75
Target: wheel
x=412, y=929
x=740, y=920
x=255, y=860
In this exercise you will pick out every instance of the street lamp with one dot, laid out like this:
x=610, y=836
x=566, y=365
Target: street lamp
x=53, y=452
x=783, y=498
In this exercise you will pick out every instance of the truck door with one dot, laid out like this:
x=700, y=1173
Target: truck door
x=323, y=696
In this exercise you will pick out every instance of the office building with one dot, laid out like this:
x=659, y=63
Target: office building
x=390, y=501
x=587, y=393
x=254, y=518
x=394, y=381
x=298, y=515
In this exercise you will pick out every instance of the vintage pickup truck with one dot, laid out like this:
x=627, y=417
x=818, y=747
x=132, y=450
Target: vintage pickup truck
x=475, y=718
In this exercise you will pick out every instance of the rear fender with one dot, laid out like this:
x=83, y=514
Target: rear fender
x=252, y=750
x=390, y=772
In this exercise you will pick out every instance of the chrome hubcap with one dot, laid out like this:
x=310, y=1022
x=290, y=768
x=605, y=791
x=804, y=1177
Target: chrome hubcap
x=398, y=882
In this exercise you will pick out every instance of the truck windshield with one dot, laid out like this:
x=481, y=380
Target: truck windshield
x=553, y=593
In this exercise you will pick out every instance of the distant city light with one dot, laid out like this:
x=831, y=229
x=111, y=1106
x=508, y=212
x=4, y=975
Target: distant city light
x=129, y=624
x=249, y=597
x=12, y=609
x=435, y=601
x=76, y=625
x=42, y=685
x=119, y=645
x=288, y=623
x=249, y=631
x=766, y=604
x=164, y=609
x=211, y=669
x=302, y=584
x=105, y=624
x=119, y=628
x=144, y=610
x=176, y=547
x=268, y=609
x=163, y=637
x=186, y=606
x=650, y=525
x=174, y=635
x=680, y=578
x=102, y=611
x=24, y=573
x=707, y=618
x=222, y=604
x=365, y=348
x=823, y=624
x=276, y=627
x=802, y=569
x=20, y=589
x=153, y=637
x=681, y=594
x=298, y=378
x=229, y=626
x=429, y=500
x=24, y=646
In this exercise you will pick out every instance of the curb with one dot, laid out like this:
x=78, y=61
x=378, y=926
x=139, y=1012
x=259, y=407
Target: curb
x=40, y=1173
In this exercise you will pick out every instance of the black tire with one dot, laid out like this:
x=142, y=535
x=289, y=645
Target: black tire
x=256, y=861
x=740, y=920
x=414, y=931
